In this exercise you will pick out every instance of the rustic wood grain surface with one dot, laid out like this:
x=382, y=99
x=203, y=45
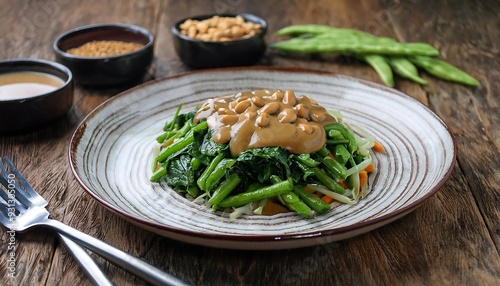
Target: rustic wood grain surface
x=452, y=239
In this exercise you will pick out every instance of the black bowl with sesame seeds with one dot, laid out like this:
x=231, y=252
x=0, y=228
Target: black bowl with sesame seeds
x=220, y=40
x=106, y=54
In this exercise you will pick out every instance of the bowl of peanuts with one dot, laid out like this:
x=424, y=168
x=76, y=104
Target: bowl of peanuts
x=220, y=40
x=106, y=54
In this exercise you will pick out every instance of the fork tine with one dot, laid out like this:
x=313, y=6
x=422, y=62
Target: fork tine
x=22, y=180
x=15, y=192
x=4, y=213
x=24, y=191
x=7, y=200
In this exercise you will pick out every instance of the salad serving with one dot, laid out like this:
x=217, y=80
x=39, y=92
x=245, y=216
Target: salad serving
x=264, y=152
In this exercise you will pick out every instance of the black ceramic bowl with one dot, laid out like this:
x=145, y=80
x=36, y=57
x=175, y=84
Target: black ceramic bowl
x=208, y=54
x=111, y=70
x=26, y=114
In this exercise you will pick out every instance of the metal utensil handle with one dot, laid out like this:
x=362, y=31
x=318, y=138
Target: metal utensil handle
x=88, y=265
x=119, y=257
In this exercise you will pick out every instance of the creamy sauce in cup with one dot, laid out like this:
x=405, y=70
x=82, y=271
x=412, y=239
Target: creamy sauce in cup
x=20, y=85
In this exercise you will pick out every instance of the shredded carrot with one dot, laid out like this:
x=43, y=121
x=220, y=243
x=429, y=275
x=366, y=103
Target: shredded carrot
x=370, y=168
x=363, y=178
x=315, y=195
x=327, y=199
x=343, y=184
x=331, y=155
x=378, y=147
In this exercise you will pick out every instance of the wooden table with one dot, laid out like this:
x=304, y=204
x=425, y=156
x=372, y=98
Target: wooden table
x=452, y=239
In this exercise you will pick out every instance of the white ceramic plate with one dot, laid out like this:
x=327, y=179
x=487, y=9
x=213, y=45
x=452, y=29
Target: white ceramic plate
x=112, y=150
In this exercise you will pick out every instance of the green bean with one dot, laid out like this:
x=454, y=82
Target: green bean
x=254, y=186
x=200, y=126
x=327, y=181
x=180, y=144
x=224, y=189
x=170, y=126
x=359, y=39
x=336, y=141
x=380, y=65
x=174, y=134
x=307, y=29
x=334, y=134
x=313, y=29
x=313, y=45
x=323, y=152
x=315, y=203
x=307, y=160
x=160, y=172
x=334, y=168
x=293, y=202
x=444, y=70
x=405, y=68
x=202, y=180
x=174, y=147
x=352, y=146
x=259, y=194
x=165, y=136
x=218, y=172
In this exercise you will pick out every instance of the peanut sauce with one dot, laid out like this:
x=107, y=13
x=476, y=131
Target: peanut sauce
x=266, y=118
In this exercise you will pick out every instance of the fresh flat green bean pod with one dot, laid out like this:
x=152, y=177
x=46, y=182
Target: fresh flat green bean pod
x=307, y=29
x=381, y=67
x=359, y=38
x=313, y=45
x=257, y=195
x=405, y=68
x=444, y=70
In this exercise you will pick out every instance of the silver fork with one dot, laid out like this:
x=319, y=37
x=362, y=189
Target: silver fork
x=17, y=215
x=82, y=257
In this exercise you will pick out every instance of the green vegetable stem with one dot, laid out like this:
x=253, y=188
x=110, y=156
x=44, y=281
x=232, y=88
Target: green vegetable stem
x=314, y=202
x=218, y=172
x=224, y=189
x=202, y=180
x=257, y=195
x=293, y=202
